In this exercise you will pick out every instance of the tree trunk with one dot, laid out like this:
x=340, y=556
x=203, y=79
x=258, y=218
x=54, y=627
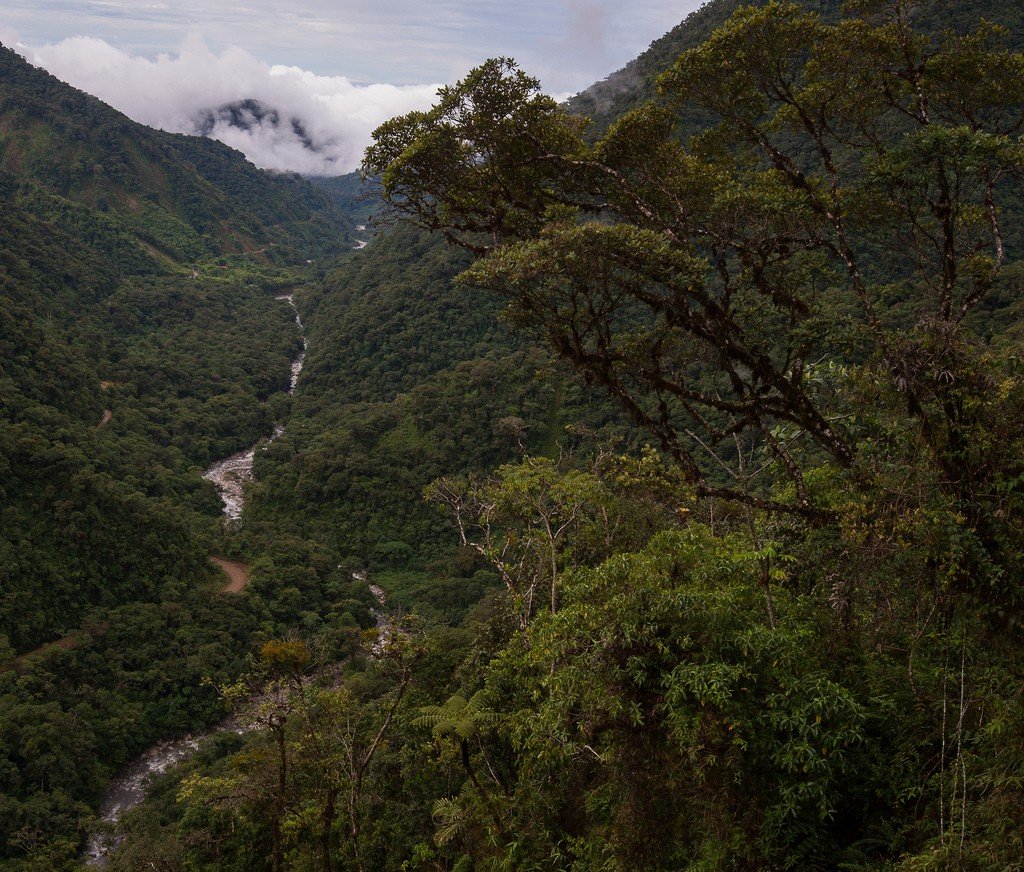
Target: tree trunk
x=326, y=822
x=485, y=795
x=282, y=783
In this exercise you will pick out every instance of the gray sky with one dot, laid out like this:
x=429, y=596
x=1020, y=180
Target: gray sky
x=568, y=43
x=162, y=61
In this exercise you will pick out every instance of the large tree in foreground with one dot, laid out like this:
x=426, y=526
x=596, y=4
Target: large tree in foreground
x=796, y=267
x=804, y=197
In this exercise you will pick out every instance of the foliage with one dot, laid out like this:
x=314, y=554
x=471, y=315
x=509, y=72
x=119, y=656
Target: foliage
x=121, y=371
x=789, y=640
x=801, y=300
x=850, y=182
x=186, y=195
x=729, y=737
x=407, y=379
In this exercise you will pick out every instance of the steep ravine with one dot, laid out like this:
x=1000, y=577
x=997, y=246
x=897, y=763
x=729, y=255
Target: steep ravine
x=129, y=788
x=231, y=474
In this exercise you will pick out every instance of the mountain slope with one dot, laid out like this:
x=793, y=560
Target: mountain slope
x=685, y=703
x=187, y=197
x=136, y=277
x=140, y=338
x=612, y=97
x=625, y=89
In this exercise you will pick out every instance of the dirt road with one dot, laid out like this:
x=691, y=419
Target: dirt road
x=238, y=580
x=107, y=414
x=67, y=643
x=237, y=573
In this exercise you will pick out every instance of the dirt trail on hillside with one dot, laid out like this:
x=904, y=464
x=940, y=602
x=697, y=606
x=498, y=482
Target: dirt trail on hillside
x=237, y=573
x=105, y=386
x=66, y=642
x=238, y=580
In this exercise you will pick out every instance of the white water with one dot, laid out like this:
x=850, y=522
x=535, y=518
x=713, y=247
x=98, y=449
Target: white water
x=132, y=785
x=130, y=788
x=360, y=243
x=297, y=364
x=384, y=627
x=231, y=474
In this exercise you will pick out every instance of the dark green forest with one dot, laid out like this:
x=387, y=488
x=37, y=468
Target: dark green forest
x=649, y=499
x=139, y=340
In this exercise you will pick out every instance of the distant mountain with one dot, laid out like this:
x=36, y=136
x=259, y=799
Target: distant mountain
x=184, y=196
x=287, y=132
x=357, y=197
x=611, y=98
x=249, y=115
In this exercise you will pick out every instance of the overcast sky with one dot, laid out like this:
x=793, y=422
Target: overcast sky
x=164, y=61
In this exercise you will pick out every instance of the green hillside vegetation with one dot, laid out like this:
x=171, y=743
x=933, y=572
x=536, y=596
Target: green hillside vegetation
x=787, y=636
x=139, y=340
x=606, y=101
x=186, y=197
x=789, y=640
x=407, y=379
x=788, y=295
x=359, y=198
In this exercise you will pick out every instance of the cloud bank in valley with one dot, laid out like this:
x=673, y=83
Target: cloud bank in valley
x=295, y=120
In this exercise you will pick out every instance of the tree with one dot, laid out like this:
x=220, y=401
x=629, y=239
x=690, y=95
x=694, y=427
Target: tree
x=312, y=752
x=675, y=708
x=520, y=520
x=845, y=196
x=465, y=721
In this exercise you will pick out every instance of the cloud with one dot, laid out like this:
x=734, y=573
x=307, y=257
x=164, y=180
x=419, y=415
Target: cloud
x=296, y=120
x=134, y=58
x=9, y=36
x=568, y=44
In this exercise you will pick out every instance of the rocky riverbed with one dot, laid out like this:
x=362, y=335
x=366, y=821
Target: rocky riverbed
x=231, y=474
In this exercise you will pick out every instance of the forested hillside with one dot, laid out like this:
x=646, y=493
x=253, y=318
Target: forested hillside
x=139, y=340
x=649, y=499
x=182, y=197
x=608, y=100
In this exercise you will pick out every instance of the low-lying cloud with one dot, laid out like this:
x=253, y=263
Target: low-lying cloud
x=294, y=120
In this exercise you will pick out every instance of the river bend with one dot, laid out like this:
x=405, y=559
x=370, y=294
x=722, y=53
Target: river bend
x=231, y=474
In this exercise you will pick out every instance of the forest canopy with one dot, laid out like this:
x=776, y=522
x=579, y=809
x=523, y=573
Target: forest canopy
x=783, y=288
x=796, y=268
x=489, y=627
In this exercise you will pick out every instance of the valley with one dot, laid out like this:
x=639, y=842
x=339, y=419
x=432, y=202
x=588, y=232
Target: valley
x=231, y=474
x=632, y=483
x=132, y=785
x=128, y=789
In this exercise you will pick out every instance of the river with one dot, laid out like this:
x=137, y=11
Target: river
x=132, y=785
x=128, y=789
x=231, y=474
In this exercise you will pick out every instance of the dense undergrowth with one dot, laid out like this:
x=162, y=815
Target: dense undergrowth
x=786, y=637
